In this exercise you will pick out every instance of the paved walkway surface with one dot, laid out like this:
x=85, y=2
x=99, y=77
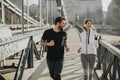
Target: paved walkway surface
x=72, y=69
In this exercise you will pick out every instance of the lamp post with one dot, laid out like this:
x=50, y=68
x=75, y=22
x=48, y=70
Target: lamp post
x=28, y=13
x=47, y=12
x=22, y=16
x=52, y=11
x=40, y=16
x=3, y=12
x=59, y=7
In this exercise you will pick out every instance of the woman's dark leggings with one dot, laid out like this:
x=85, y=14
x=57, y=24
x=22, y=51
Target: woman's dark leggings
x=88, y=61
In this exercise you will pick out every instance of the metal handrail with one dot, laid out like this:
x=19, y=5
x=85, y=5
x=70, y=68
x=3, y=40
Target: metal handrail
x=109, y=58
x=27, y=55
x=111, y=48
x=12, y=45
x=7, y=45
x=14, y=8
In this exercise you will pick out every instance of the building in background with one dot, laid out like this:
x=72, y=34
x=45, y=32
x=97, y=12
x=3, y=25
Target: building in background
x=84, y=9
x=77, y=10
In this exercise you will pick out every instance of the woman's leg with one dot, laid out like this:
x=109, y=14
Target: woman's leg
x=91, y=65
x=85, y=65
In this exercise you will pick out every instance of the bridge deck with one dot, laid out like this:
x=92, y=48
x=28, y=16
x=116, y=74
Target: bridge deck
x=72, y=69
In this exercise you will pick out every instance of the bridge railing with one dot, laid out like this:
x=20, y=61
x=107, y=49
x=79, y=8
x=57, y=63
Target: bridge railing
x=22, y=42
x=108, y=61
x=15, y=9
x=11, y=45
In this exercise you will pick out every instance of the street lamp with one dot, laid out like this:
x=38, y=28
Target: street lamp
x=47, y=11
x=59, y=7
x=3, y=15
x=40, y=16
x=28, y=13
x=22, y=16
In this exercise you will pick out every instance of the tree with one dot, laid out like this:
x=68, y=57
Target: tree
x=113, y=14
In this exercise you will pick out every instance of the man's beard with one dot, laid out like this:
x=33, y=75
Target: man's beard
x=60, y=28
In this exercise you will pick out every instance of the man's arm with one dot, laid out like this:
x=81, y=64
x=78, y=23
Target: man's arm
x=65, y=45
x=45, y=43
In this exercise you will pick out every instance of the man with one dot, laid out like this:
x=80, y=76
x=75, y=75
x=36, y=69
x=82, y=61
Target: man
x=56, y=40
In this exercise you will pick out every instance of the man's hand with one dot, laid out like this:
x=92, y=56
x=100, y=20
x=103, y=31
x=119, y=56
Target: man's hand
x=51, y=43
x=67, y=49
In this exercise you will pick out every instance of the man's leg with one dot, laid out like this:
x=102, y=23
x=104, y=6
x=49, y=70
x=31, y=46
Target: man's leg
x=50, y=65
x=58, y=69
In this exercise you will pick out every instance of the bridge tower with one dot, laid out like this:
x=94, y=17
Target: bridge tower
x=84, y=9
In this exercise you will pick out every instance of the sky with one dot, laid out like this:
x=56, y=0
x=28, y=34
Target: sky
x=105, y=4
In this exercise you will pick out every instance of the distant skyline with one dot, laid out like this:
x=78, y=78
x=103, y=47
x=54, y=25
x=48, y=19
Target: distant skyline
x=105, y=3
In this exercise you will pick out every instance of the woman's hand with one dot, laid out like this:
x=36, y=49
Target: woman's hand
x=79, y=50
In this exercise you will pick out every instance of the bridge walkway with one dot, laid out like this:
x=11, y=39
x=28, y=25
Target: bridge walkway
x=72, y=69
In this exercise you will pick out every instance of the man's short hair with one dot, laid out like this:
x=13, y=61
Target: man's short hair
x=59, y=19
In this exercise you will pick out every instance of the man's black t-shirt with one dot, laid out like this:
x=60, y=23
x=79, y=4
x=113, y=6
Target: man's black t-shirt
x=56, y=52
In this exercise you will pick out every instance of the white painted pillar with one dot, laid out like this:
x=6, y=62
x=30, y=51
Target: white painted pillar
x=28, y=14
x=40, y=13
x=3, y=12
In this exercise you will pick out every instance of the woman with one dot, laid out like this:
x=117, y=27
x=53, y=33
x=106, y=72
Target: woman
x=88, y=49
